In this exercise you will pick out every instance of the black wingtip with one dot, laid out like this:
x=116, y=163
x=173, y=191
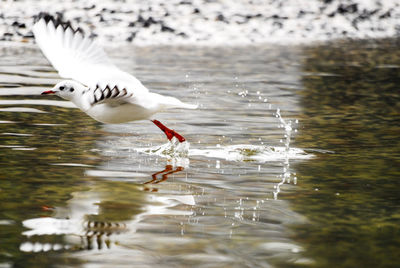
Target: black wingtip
x=57, y=19
x=43, y=15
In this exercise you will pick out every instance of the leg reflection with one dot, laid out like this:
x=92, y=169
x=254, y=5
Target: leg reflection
x=168, y=170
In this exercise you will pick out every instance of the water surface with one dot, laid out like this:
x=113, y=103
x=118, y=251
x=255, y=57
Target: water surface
x=75, y=192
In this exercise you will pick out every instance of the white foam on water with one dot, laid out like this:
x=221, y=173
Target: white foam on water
x=171, y=149
x=245, y=152
x=237, y=153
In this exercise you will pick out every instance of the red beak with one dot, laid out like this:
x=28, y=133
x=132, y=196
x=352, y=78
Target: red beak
x=47, y=92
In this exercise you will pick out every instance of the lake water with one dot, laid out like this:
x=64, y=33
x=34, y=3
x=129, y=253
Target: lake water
x=78, y=193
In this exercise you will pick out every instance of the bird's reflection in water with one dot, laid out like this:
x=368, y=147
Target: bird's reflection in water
x=168, y=170
x=98, y=234
x=106, y=214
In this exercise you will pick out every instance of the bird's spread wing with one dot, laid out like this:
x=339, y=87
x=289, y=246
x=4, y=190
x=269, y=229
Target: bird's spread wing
x=77, y=56
x=109, y=94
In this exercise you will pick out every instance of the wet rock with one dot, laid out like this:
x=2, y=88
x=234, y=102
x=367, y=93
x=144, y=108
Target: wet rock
x=343, y=9
x=249, y=17
x=19, y=25
x=220, y=17
x=278, y=24
x=131, y=37
x=331, y=15
x=149, y=21
x=279, y=17
x=386, y=14
x=165, y=28
x=140, y=19
x=301, y=13
x=90, y=7
x=182, y=34
x=28, y=35
x=7, y=36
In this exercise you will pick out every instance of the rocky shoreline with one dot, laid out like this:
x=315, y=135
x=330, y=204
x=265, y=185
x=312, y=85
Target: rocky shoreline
x=208, y=22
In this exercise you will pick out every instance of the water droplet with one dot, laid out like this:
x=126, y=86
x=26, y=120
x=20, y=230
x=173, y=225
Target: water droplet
x=295, y=250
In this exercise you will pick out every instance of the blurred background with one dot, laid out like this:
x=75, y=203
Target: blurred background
x=211, y=22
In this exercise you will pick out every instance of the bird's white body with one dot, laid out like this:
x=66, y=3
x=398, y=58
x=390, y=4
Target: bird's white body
x=133, y=110
x=119, y=114
x=99, y=88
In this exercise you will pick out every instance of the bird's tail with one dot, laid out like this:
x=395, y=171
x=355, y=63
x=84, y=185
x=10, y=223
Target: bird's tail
x=171, y=102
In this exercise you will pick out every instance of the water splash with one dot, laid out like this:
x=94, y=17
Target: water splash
x=288, y=131
x=286, y=175
x=176, y=152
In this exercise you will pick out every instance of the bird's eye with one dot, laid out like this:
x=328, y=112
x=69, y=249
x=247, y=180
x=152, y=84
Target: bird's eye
x=62, y=88
x=71, y=89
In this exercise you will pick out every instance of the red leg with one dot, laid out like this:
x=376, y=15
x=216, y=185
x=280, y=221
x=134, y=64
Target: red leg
x=169, y=132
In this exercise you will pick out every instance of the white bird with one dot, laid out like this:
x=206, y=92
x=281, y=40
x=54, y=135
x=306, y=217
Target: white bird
x=99, y=88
